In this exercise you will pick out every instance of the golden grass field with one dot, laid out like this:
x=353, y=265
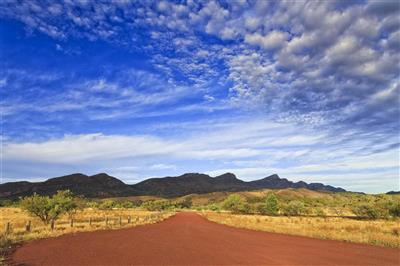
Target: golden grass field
x=18, y=219
x=384, y=233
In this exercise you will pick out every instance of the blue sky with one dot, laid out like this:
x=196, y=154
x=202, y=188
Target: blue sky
x=308, y=90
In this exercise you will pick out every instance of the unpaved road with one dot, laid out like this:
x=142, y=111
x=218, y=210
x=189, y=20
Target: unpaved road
x=188, y=239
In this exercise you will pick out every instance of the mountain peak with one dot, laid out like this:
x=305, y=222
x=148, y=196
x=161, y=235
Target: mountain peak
x=273, y=176
x=226, y=177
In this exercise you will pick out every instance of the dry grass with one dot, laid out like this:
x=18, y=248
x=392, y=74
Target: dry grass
x=378, y=232
x=19, y=218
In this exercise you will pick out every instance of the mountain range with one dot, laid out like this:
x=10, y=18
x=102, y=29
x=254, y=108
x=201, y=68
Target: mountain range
x=103, y=186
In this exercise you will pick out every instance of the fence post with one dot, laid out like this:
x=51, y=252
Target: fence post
x=8, y=227
x=120, y=221
x=52, y=224
x=106, y=221
x=28, y=226
x=129, y=219
x=90, y=221
x=72, y=223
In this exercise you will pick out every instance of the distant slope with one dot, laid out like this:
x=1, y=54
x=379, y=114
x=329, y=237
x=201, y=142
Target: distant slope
x=191, y=183
x=274, y=181
x=96, y=186
x=103, y=186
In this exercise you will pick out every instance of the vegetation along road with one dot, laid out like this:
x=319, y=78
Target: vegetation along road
x=189, y=239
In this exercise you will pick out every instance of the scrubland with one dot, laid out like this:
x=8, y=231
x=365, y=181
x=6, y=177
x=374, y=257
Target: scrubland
x=384, y=233
x=348, y=216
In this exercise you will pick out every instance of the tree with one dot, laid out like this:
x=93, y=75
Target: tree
x=236, y=204
x=77, y=204
x=49, y=208
x=270, y=206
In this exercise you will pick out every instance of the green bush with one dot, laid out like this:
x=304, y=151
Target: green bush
x=214, y=207
x=185, y=203
x=294, y=208
x=320, y=212
x=49, y=208
x=270, y=206
x=92, y=204
x=366, y=211
x=6, y=203
x=107, y=205
x=394, y=208
x=156, y=205
x=236, y=204
x=127, y=204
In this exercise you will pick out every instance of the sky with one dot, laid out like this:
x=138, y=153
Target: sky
x=138, y=89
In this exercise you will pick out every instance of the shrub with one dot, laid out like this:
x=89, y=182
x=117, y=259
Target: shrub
x=127, y=204
x=366, y=211
x=185, y=203
x=49, y=208
x=338, y=211
x=394, y=208
x=107, y=205
x=270, y=206
x=320, y=212
x=6, y=203
x=92, y=204
x=156, y=205
x=214, y=207
x=236, y=204
x=294, y=208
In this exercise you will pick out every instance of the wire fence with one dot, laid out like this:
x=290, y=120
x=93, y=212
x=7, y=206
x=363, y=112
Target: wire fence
x=27, y=226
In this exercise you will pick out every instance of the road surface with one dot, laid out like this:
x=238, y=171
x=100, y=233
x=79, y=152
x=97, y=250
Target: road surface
x=189, y=239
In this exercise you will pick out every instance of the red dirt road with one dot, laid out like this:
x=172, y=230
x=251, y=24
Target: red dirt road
x=188, y=239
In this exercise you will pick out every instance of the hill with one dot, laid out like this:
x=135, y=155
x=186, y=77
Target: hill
x=104, y=186
x=96, y=186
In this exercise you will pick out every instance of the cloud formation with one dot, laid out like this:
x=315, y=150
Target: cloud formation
x=325, y=66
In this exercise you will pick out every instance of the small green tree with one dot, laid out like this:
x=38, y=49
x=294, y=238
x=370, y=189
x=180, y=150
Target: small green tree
x=270, y=206
x=49, y=208
x=236, y=204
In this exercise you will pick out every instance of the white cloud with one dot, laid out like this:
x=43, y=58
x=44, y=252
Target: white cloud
x=162, y=166
x=273, y=40
x=320, y=63
x=79, y=148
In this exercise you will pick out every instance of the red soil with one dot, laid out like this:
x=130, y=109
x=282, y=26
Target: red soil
x=188, y=239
